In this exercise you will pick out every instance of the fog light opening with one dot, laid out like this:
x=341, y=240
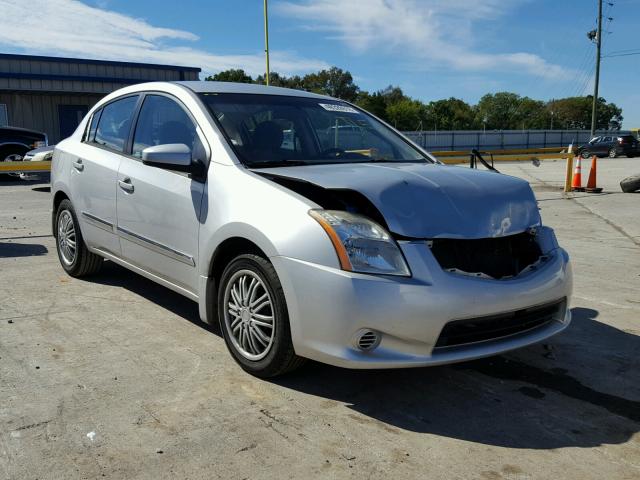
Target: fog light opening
x=367, y=340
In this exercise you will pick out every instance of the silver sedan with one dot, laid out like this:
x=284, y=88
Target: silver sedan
x=306, y=228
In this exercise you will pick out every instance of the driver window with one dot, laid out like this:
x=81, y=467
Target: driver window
x=162, y=121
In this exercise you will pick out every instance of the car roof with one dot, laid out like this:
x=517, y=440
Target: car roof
x=248, y=88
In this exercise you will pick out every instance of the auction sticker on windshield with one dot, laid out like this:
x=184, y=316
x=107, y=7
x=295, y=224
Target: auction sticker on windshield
x=332, y=107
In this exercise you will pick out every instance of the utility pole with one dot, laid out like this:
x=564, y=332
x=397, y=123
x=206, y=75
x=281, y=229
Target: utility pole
x=266, y=38
x=594, y=108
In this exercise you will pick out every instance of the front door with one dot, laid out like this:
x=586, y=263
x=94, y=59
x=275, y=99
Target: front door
x=158, y=209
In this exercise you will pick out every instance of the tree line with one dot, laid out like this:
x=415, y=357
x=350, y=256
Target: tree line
x=494, y=111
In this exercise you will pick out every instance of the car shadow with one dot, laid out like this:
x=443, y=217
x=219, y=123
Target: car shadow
x=11, y=249
x=114, y=275
x=526, y=399
x=534, y=398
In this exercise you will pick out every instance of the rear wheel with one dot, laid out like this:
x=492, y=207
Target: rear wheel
x=75, y=257
x=253, y=318
x=585, y=154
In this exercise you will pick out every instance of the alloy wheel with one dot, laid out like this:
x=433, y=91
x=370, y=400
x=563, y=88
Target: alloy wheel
x=249, y=315
x=66, y=237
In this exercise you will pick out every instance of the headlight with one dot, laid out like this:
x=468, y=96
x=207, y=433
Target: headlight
x=39, y=144
x=362, y=245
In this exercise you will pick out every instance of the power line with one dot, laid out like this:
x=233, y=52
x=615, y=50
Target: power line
x=621, y=55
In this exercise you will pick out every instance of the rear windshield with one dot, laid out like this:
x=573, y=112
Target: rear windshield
x=275, y=130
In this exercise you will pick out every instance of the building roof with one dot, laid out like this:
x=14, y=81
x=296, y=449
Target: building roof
x=231, y=87
x=85, y=61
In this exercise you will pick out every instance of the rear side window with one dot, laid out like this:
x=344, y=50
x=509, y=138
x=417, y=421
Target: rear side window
x=162, y=121
x=115, y=123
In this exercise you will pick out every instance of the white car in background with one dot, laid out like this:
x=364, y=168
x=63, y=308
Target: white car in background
x=42, y=154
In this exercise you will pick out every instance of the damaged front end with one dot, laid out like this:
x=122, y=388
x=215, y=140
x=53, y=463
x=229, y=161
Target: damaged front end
x=499, y=257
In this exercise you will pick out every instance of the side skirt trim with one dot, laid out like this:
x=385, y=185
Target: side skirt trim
x=156, y=247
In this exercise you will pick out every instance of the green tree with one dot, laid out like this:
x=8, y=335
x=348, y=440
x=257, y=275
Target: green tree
x=334, y=82
x=233, y=75
x=450, y=114
x=510, y=111
x=374, y=103
x=406, y=114
x=575, y=112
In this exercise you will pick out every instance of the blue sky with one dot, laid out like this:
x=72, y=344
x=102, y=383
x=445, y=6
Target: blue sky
x=431, y=48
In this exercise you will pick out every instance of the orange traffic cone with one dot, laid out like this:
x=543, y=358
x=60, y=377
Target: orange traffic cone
x=576, y=185
x=591, y=182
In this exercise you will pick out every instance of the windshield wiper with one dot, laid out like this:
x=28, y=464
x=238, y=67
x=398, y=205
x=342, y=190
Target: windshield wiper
x=277, y=163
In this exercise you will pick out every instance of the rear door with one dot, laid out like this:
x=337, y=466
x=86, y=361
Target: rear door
x=158, y=209
x=95, y=169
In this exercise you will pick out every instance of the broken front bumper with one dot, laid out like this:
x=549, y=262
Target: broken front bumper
x=328, y=308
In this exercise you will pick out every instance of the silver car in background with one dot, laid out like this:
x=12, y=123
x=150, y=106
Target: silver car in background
x=307, y=228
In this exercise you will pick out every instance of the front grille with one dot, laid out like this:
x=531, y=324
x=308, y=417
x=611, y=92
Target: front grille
x=497, y=258
x=482, y=329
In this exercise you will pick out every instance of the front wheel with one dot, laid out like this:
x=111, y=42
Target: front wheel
x=613, y=153
x=585, y=154
x=253, y=318
x=75, y=257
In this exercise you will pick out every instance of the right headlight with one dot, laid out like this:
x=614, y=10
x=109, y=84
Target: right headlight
x=362, y=245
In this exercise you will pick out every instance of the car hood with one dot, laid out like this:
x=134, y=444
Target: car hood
x=428, y=200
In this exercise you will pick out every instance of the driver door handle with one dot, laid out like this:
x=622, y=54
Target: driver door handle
x=126, y=185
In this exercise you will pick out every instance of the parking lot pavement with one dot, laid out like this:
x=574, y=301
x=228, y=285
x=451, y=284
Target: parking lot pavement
x=115, y=377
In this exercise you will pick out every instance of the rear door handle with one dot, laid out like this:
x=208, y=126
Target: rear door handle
x=126, y=185
x=78, y=165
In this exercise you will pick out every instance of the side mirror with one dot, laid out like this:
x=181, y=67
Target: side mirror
x=173, y=156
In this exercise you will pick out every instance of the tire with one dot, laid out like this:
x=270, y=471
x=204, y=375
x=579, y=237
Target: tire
x=12, y=153
x=630, y=184
x=260, y=350
x=75, y=259
x=613, y=153
x=585, y=154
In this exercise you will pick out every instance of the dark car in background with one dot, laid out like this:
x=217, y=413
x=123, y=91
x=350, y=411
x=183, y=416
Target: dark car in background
x=611, y=146
x=15, y=142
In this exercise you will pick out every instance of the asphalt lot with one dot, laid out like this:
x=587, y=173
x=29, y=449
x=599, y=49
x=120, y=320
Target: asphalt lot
x=115, y=377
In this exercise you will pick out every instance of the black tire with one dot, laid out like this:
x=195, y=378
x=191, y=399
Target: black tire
x=585, y=154
x=613, y=153
x=630, y=184
x=11, y=153
x=83, y=263
x=280, y=357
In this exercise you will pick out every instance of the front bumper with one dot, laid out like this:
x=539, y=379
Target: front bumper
x=328, y=307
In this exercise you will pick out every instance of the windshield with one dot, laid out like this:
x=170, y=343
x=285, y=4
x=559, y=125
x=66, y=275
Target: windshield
x=275, y=130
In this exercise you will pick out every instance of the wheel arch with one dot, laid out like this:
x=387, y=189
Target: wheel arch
x=225, y=251
x=58, y=197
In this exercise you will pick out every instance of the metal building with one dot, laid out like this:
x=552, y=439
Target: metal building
x=52, y=94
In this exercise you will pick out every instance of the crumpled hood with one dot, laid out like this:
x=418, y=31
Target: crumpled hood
x=431, y=201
